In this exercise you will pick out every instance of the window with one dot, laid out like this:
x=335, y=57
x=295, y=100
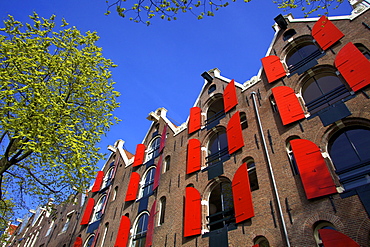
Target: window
x=220, y=205
x=115, y=193
x=139, y=231
x=104, y=234
x=349, y=151
x=322, y=90
x=243, y=120
x=50, y=228
x=261, y=241
x=293, y=163
x=162, y=210
x=215, y=112
x=273, y=104
x=363, y=49
x=153, y=149
x=300, y=56
x=89, y=241
x=217, y=148
x=66, y=224
x=289, y=34
x=166, y=164
x=252, y=173
x=108, y=177
x=321, y=225
x=98, y=209
x=146, y=188
x=211, y=88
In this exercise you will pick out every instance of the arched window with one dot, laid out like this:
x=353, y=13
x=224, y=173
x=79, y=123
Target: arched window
x=167, y=164
x=289, y=34
x=108, y=177
x=252, y=173
x=261, y=241
x=243, y=120
x=217, y=148
x=300, y=56
x=89, y=241
x=115, y=193
x=162, y=210
x=211, y=88
x=153, y=149
x=98, y=209
x=363, y=49
x=321, y=225
x=322, y=90
x=215, y=112
x=139, y=231
x=146, y=188
x=293, y=163
x=106, y=226
x=220, y=205
x=349, y=151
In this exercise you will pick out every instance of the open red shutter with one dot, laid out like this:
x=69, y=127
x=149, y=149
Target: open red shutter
x=354, y=66
x=150, y=231
x=242, y=195
x=256, y=245
x=133, y=187
x=230, y=99
x=163, y=138
x=88, y=211
x=98, y=181
x=78, y=242
x=123, y=232
x=274, y=69
x=192, y=217
x=158, y=171
x=333, y=238
x=326, y=33
x=234, y=133
x=315, y=176
x=195, y=119
x=194, y=156
x=290, y=109
x=139, y=155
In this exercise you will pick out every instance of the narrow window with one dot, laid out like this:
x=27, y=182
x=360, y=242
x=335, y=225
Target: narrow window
x=115, y=193
x=139, y=231
x=104, y=234
x=50, y=228
x=98, y=209
x=273, y=104
x=215, y=113
x=162, y=210
x=108, y=177
x=146, y=188
x=66, y=224
x=243, y=120
x=293, y=163
x=252, y=173
x=166, y=164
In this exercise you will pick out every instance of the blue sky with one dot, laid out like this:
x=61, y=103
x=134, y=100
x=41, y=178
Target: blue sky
x=160, y=65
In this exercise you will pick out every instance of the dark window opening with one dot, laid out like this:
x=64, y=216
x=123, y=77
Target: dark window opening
x=153, y=150
x=301, y=55
x=217, y=149
x=211, y=88
x=167, y=164
x=273, y=104
x=288, y=34
x=252, y=173
x=162, y=210
x=363, y=49
x=243, y=120
x=215, y=113
x=293, y=163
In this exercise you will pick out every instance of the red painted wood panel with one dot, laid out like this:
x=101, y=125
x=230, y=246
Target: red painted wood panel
x=234, y=133
x=150, y=229
x=192, y=212
x=242, y=195
x=332, y=238
x=290, y=109
x=133, y=187
x=326, y=33
x=163, y=139
x=274, y=69
x=98, y=181
x=354, y=67
x=139, y=155
x=195, y=119
x=230, y=98
x=158, y=172
x=315, y=175
x=123, y=234
x=78, y=242
x=88, y=211
x=194, y=156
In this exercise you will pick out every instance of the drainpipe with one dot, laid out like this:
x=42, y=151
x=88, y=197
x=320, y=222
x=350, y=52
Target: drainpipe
x=270, y=170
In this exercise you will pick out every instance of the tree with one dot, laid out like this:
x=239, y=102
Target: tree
x=144, y=10
x=56, y=100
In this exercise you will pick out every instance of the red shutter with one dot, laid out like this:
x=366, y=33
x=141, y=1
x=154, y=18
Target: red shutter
x=194, y=156
x=354, y=66
x=256, y=245
x=139, y=155
x=78, y=242
x=274, y=69
x=314, y=173
x=158, y=171
x=332, y=238
x=192, y=217
x=242, y=195
x=88, y=211
x=234, y=133
x=290, y=109
x=163, y=138
x=98, y=181
x=150, y=231
x=195, y=119
x=326, y=33
x=230, y=99
x=132, y=187
x=123, y=232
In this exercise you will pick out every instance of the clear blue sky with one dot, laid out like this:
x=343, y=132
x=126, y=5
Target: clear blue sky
x=160, y=65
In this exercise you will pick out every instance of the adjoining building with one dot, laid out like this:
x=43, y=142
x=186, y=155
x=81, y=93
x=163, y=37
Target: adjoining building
x=280, y=160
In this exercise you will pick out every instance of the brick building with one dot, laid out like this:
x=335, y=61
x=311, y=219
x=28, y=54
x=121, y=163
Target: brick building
x=280, y=160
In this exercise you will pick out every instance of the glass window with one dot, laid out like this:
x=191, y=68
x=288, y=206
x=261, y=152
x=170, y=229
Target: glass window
x=215, y=112
x=166, y=164
x=243, y=120
x=162, y=210
x=50, y=228
x=211, y=88
x=153, y=149
x=252, y=173
x=89, y=241
x=217, y=148
x=108, y=177
x=147, y=183
x=293, y=163
x=363, y=49
x=140, y=229
x=104, y=234
x=66, y=224
x=98, y=209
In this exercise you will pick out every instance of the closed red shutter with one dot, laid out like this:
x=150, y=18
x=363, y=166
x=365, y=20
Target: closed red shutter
x=242, y=195
x=315, y=176
x=192, y=217
x=78, y=242
x=150, y=229
x=326, y=33
x=230, y=99
x=123, y=232
x=353, y=66
x=88, y=211
x=332, y=238
x=195, y=119
x=133, y=187
x=158, y=171
x=194, y=156
x=139, y=155
x=163, y=138
x=234, y=133
x=274, y=69
x=98, y=181
x=290, y=109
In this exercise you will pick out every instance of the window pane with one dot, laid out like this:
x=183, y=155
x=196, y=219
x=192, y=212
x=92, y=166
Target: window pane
x=342, y=152
x=360, y=138
x=312, y=91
